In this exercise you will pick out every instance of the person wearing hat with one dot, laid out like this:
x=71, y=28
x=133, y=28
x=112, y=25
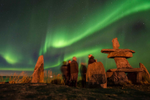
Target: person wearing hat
x=64, y=70
x=83, y=71
x=91, y=59
x=74, y=72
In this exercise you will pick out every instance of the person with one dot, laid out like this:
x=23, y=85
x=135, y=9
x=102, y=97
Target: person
x=64, y=70
x=69, y=75
x=83, y=70
x=91, y=59
x=74, y=72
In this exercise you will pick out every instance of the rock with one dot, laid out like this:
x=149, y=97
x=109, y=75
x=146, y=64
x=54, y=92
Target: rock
x=109, y=73
x=122, y=62
x=145, y=72
x=114, y=50
x=119, y=78
x=96, y=75
x=38, y=74
x=115, y=43
x=139, y=77
x=120, y=54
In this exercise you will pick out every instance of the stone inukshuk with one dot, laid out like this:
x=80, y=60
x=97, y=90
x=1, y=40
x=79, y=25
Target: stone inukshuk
x=120, y=55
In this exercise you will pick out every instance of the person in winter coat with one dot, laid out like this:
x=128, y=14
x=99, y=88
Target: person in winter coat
x=83, y=70
x=69, y=75
x=74, y=72
x=64, y=70
x=91, y=59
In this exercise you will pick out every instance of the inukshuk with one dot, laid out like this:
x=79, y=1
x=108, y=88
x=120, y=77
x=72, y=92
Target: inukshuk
x=120, y=56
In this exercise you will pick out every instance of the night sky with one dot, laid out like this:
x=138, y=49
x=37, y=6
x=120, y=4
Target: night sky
x=61, y=29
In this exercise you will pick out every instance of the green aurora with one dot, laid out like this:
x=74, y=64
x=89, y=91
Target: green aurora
x=60, y=30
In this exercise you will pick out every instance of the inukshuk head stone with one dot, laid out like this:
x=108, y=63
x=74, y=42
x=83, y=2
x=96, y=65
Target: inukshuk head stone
x=115, y=43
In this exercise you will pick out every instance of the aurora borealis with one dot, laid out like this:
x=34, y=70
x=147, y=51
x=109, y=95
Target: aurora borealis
x=61, y=29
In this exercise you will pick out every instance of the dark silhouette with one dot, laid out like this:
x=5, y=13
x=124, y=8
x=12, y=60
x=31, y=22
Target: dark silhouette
x=83, y=70
x=69, y=75
x=91, y=59
x=64, y=70
x=74, y=72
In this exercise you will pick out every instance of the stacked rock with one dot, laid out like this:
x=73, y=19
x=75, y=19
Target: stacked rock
x=120, y=56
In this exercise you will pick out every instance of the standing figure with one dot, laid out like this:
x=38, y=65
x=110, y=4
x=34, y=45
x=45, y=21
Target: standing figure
x=91, y=59
x=74, y=72
x=69, y=75
x=64, y=70
x=83, y=70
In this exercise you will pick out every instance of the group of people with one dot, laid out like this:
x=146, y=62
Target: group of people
x=70, y=71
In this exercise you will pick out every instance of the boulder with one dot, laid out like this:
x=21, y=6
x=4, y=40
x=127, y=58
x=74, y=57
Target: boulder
x=38, y=74
x=145, y=72
x=96, y=75
x=118, y=78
